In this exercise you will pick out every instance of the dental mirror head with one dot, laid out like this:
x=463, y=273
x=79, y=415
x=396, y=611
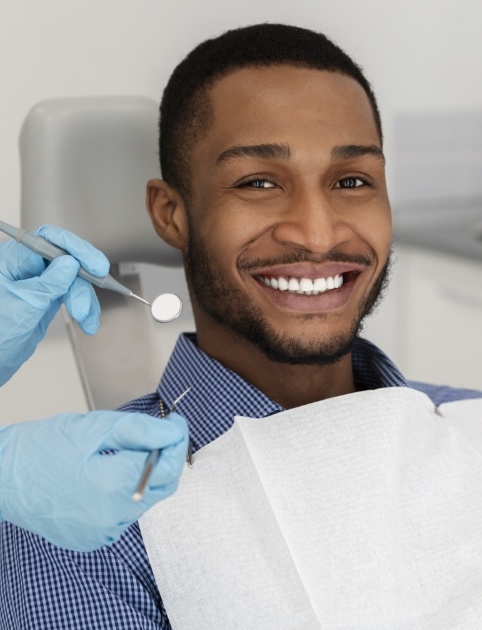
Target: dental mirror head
x=166, y=307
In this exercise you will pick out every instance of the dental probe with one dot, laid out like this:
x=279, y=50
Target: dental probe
x=165, y=307
x=152, y=458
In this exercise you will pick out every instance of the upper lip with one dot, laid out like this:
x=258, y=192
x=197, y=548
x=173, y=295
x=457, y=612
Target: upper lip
x=310, y=270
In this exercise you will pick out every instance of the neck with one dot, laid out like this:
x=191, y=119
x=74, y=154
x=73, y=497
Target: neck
x=288, y=385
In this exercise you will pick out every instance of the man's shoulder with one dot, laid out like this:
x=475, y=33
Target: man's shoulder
x=440, y=394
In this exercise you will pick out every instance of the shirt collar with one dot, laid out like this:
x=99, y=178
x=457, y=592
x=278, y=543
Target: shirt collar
x=217, y=394
x=372, y=368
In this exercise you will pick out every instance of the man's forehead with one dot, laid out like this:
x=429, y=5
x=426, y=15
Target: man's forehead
x=259, y=105
x=248, y=80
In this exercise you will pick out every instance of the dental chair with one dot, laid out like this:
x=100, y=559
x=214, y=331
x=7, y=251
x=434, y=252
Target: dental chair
x=84, y=166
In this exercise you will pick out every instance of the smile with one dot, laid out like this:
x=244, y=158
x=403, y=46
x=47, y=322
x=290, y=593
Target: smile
x=303, y=286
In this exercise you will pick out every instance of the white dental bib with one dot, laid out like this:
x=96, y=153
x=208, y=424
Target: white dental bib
x=362, y=512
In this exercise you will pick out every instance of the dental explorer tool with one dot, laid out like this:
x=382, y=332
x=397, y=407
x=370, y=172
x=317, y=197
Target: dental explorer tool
x=154, y=456
x=165, y=307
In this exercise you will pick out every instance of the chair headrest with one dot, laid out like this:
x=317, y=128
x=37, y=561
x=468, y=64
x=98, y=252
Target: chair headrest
x=84, y=166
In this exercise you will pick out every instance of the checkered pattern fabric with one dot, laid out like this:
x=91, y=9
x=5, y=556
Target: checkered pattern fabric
x=43, y=587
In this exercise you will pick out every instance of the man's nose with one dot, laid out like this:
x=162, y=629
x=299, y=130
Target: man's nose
x=313, y=221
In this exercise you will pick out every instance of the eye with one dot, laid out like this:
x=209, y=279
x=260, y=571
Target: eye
x=351, y=182
x=257, y=183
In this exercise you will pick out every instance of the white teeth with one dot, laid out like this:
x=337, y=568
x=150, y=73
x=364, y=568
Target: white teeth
x=320, y=284
x=282, y=284
x=304, y=286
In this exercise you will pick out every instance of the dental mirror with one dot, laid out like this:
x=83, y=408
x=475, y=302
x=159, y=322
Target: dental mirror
x=166, y=307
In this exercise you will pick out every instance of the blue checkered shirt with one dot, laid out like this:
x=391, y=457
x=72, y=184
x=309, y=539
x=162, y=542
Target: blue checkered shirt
x=43, y=587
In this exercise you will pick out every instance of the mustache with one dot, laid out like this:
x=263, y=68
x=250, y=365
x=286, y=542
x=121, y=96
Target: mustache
x=302, y=256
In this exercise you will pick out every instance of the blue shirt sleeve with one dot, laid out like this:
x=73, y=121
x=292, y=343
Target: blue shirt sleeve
x=44, y=587
x=48, y=588
x=440, y=394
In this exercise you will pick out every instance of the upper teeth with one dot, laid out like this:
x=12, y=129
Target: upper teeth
x=305, y=286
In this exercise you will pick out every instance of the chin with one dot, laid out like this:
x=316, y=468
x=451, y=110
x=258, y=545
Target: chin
x=293, y=349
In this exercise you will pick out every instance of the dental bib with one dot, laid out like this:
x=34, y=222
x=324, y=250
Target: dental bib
x=361, y=512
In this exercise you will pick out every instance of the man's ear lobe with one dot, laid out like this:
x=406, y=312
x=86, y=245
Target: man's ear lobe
x=167, y=211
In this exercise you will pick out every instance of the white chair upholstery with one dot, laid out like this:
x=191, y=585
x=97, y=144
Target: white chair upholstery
x=85, y=163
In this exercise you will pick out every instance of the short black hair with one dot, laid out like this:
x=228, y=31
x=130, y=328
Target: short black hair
x=186, y=112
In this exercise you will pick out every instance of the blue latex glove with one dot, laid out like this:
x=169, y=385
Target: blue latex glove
x=32, y=291
x=55, y=482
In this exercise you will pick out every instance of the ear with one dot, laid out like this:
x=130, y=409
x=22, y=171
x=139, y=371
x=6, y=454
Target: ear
x=168, y=212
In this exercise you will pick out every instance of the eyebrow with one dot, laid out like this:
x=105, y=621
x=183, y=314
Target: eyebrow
x=283, y=152
x=351, y=151
x=263, y=151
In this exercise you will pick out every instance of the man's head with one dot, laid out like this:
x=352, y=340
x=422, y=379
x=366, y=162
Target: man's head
x=186, y=109
x=274, y=175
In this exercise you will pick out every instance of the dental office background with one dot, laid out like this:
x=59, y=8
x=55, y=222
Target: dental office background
x=424, y=59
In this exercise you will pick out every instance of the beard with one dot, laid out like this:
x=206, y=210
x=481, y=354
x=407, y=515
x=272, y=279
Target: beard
x=231, y=308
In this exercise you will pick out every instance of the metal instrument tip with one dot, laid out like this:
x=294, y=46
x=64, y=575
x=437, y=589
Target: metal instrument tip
x=140, y=299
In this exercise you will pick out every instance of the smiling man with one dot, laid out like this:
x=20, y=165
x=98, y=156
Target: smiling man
x=286, y=229
x=274, y=191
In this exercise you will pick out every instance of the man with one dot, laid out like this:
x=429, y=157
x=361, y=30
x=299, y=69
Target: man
x=274, y=190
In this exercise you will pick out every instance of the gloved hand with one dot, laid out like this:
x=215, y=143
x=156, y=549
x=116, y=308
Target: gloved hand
x=32, y=291
x=55, y=482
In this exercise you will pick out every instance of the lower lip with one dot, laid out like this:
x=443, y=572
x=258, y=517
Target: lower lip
x=321, y=303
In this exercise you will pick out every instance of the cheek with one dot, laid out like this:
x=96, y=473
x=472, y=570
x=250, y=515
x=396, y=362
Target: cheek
x=231, y=231
x=376, y=230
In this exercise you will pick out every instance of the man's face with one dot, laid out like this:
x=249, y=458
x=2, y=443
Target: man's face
x=289, y=221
